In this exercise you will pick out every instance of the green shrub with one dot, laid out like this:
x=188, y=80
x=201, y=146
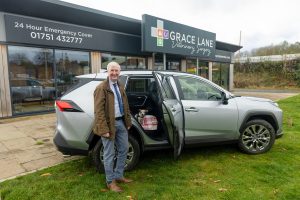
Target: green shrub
x=267, y=74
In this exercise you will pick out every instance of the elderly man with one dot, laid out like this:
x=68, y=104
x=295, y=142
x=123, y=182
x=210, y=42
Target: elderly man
x=112, y=120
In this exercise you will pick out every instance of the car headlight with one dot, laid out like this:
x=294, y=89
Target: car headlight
x=274, y=103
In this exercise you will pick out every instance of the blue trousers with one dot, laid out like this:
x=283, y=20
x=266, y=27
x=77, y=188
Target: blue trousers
x=121, y=144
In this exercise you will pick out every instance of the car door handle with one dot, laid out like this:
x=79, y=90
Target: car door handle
x=192, y=109
x=173, y=109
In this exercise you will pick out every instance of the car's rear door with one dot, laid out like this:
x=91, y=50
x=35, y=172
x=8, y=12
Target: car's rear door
x=172, y=112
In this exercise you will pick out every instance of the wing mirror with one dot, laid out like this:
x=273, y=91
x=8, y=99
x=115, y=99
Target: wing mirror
x=224, y=98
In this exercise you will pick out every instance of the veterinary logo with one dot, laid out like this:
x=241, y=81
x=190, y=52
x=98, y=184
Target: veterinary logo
x=160, y=33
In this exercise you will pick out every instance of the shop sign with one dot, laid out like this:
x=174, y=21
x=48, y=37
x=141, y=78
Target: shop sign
x=21, y=29
x=160, y=35
x=223, y=56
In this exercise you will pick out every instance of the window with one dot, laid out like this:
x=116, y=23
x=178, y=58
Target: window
x=166, y=89
x=191, y=66
x=135, y=63
x=158, y=61
x=220, y=74
x=196, y=89
x=68, y=65
x=139, y=85
x=140, y=91
x=203, y=69
x=107, y=58
x=126, y=62
x=31, y=73
x=36, y=79
x=173, y=63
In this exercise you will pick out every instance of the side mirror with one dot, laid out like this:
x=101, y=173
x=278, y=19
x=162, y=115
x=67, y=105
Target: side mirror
x=224, y=98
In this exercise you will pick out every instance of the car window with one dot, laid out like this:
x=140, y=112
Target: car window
x=139, y=85
x=166, y=89
x=196, y=89
x=78, y=83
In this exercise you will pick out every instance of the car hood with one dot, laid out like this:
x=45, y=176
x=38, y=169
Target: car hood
x=252, y=100
x=256, y=99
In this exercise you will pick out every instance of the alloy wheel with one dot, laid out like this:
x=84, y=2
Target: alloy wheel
x=256, y=137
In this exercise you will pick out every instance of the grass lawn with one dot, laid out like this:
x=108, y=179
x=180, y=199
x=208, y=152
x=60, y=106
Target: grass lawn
x=221, y=172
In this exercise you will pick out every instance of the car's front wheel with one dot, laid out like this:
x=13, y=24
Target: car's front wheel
x=132, y=158
x=257, y=137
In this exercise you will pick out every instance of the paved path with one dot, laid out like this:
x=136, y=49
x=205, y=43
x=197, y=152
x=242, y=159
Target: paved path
x=26, y=145
x=269, y=95
x=26, y=142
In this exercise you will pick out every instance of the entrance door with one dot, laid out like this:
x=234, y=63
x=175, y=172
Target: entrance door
x=220, y=74
x=173, y=63
x=172, y=112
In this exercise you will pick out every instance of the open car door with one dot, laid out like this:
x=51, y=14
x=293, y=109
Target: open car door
x=172, y=111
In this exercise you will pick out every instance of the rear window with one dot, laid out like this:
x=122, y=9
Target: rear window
x=78, y=82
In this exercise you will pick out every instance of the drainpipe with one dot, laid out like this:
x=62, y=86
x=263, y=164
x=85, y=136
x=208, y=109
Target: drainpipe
x=165, y=61
x=210, y=64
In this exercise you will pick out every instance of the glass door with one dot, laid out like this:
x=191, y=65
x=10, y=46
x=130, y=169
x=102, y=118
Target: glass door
x=220, y=74
x=173, y=63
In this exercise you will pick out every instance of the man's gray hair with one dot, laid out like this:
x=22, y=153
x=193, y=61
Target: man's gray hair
x=113, y=64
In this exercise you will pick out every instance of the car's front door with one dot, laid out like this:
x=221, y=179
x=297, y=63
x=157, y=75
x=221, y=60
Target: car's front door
x=207, y=118
x=172, y=112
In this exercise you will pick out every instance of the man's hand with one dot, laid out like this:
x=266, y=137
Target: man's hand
x=106, y=135
x=128, y=127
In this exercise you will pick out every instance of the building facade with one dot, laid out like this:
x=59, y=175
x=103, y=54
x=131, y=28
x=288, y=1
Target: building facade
x=44, y=45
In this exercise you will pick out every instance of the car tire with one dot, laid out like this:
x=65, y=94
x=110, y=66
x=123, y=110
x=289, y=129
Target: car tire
x=257, y=136
x=132, y=159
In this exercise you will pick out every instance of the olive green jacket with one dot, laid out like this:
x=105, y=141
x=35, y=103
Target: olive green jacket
x=104, y=109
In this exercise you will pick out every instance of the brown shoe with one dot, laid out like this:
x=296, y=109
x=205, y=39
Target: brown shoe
x=114, y=187
x=124, y=180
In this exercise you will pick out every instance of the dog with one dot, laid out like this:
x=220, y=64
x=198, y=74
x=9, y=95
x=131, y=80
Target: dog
x=139, y=116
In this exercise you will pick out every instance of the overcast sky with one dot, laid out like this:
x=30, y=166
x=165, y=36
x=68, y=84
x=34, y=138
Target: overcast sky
x=261, y=22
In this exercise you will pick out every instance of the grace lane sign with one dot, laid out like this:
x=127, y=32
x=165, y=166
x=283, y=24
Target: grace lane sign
x=160, y=35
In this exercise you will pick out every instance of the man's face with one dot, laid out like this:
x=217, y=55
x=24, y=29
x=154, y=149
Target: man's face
x=113, y=73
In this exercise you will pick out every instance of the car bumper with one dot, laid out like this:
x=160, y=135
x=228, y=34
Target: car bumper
x=65, y=148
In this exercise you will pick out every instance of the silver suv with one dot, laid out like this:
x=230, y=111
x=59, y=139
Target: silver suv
x=169, y=110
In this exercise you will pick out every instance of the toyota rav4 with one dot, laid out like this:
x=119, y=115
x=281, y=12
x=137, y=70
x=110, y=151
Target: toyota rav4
x=168, y=110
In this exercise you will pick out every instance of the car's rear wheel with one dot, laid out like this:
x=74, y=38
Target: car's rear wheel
x=132, y=158
x=257, y=137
